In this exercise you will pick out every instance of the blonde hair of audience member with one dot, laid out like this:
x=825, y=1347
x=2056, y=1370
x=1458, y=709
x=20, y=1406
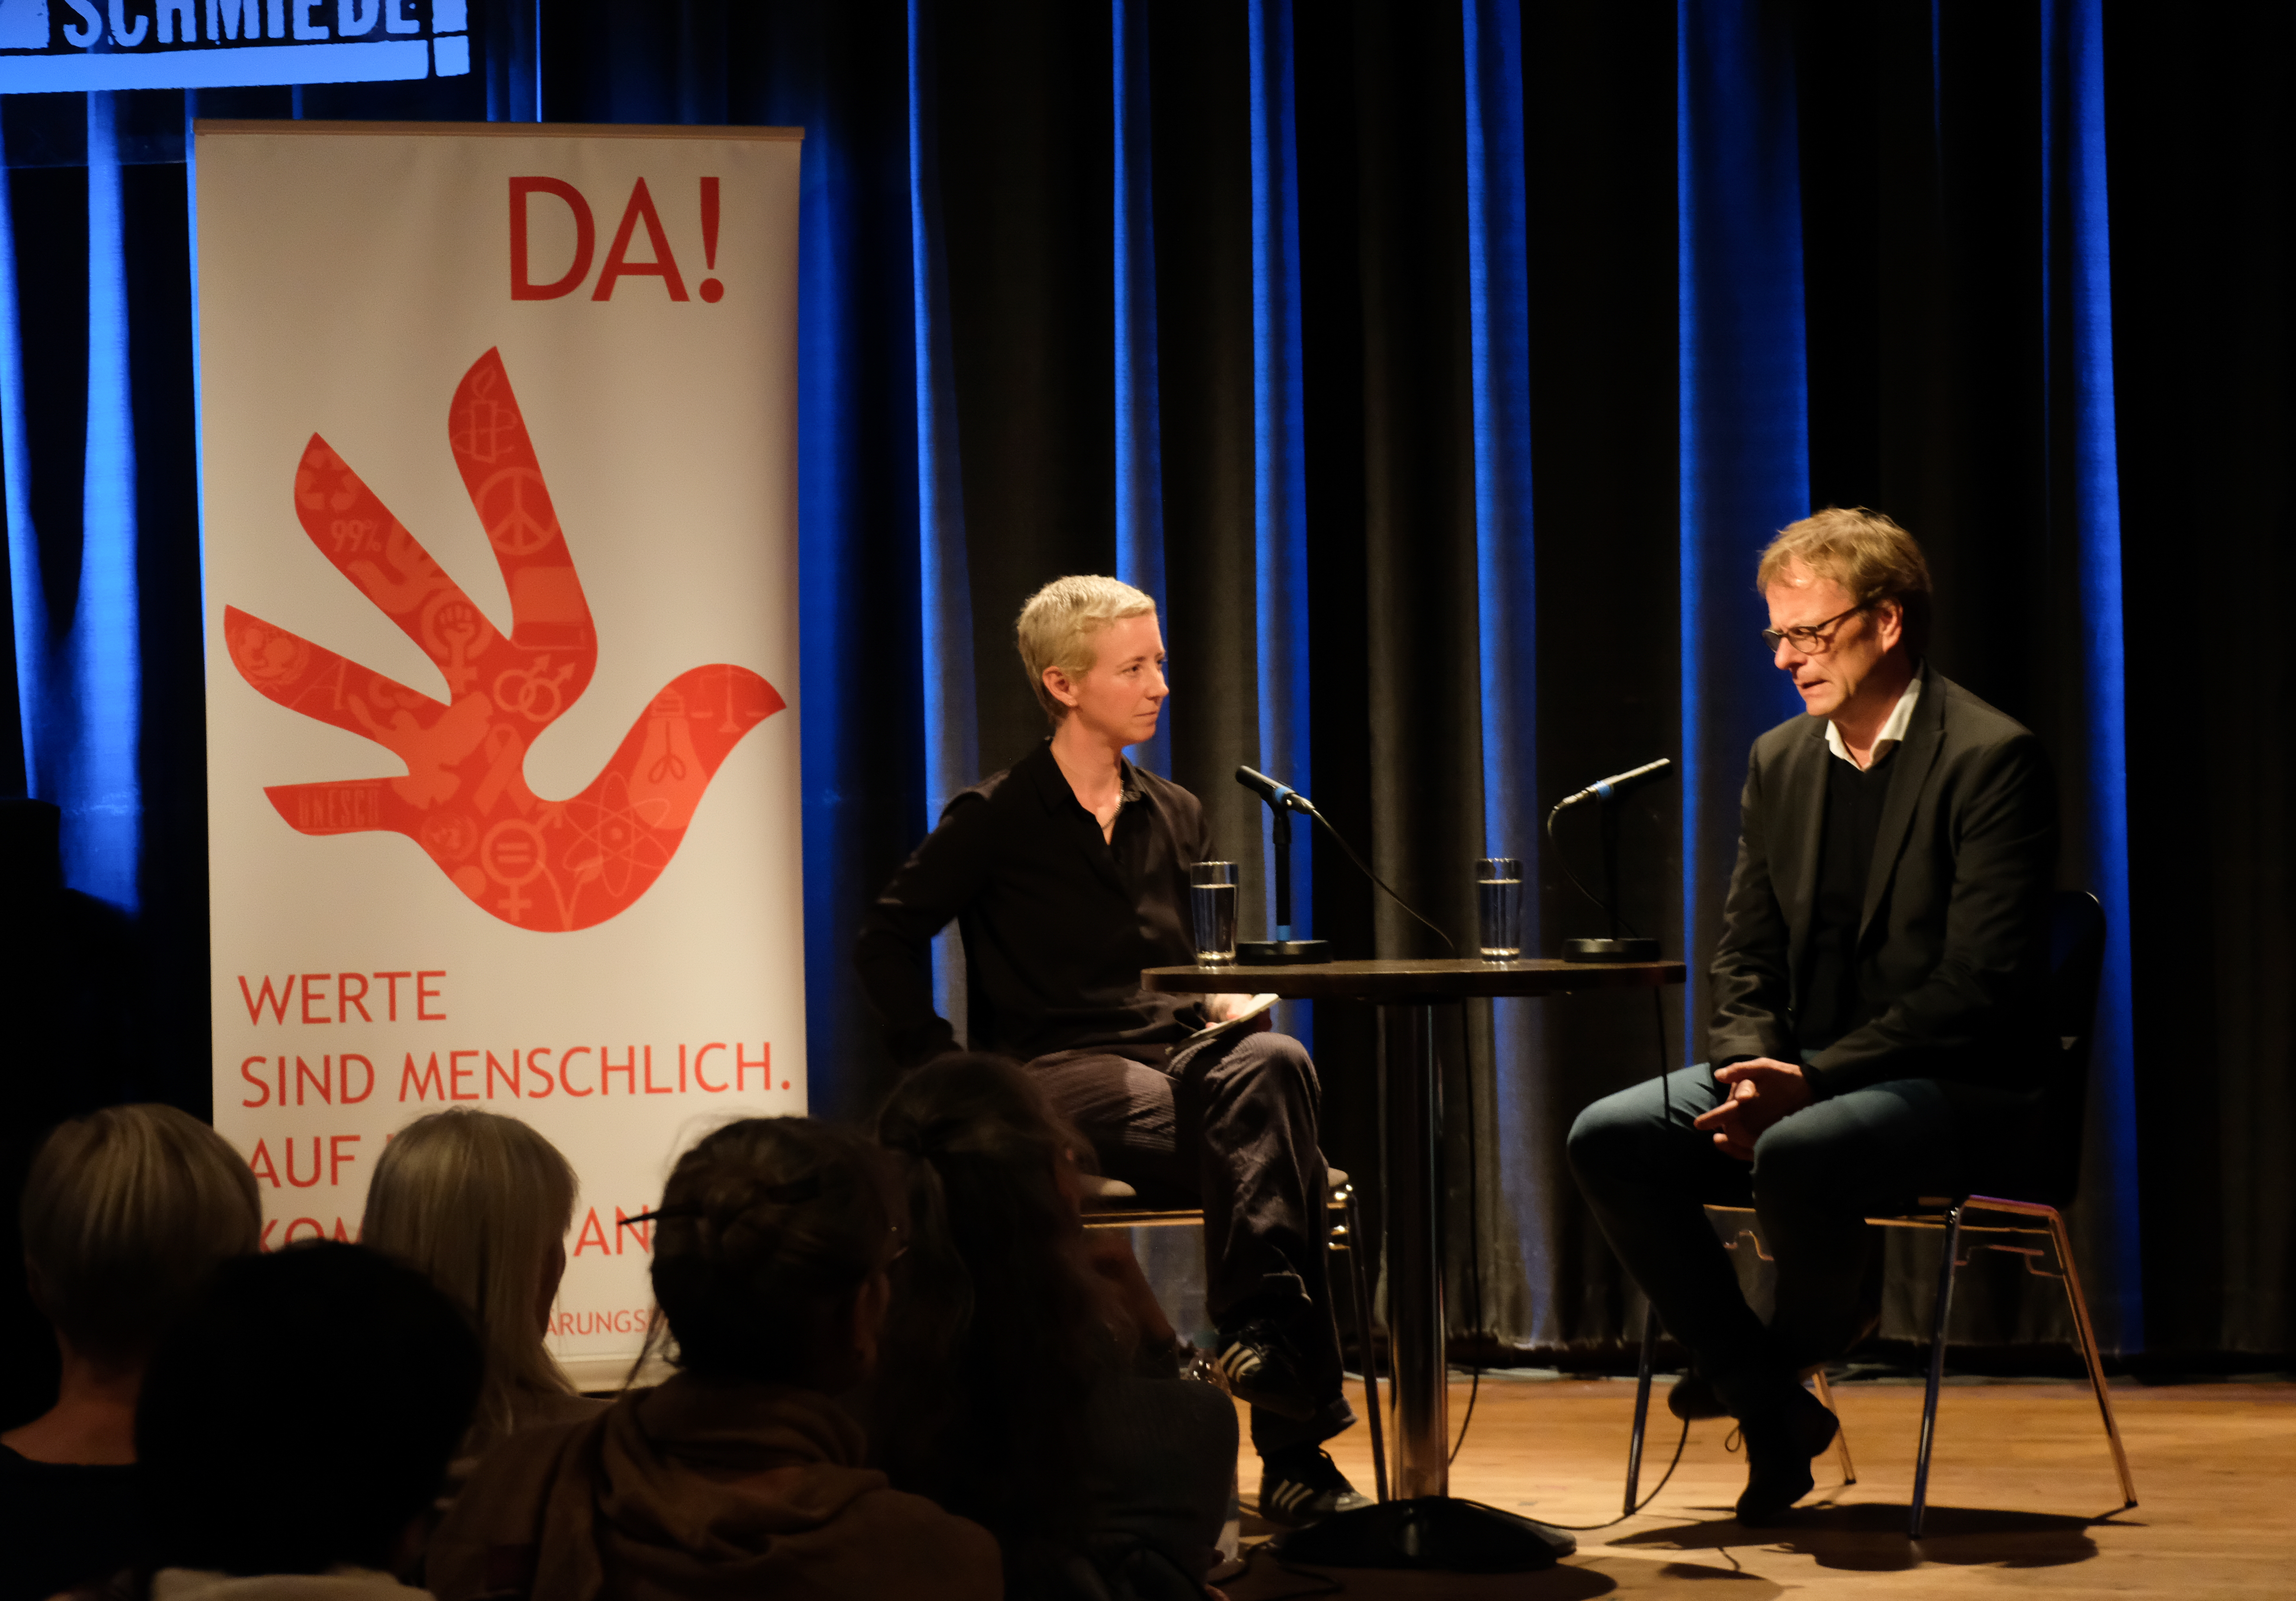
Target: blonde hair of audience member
x=127, y=1212
x=1864, y=552
x=481, y=1203
x=1057, y=628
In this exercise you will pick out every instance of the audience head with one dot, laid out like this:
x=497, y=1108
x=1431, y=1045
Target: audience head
x=481, y=1202
x=770, y=1249
x=301, y=1413
x=993, y=1178
x=127, y=1212
x=998, y=1334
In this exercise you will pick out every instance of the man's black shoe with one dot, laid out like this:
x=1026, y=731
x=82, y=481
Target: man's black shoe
x=1780, y=1442
x=1691, y=1398
x=1303, y=1486
x=1261, y=1368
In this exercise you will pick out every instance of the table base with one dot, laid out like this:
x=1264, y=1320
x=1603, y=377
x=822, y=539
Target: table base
x=1424, y=1527
x=1432, y=1532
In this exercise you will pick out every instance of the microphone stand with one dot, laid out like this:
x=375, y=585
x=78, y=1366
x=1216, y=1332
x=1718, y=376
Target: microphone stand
x=1619, y=947
x=1284, y=950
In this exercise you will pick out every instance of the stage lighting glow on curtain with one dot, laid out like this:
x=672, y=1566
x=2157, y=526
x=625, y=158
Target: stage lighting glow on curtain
x=79, y=46
x=80, y=684
x=29, y=609
x=944, y=588
x=1139, y=441
x=1744, y=401
x=1279, y=452
x=1507, y=597
x=2078, y=291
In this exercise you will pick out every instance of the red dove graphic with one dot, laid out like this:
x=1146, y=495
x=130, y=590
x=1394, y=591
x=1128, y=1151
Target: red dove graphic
x=551, y=866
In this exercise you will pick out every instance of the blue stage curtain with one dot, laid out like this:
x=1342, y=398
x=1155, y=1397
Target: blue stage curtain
x=1139, y=432
x=104, y=843
x=1744, y=400
x=80, y=674
x=1279, y=454
x=952, y=752
x=27, y=615
x=2078, y=289
x=1506, y=613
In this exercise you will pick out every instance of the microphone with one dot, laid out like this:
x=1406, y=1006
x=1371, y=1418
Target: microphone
x=1281, y=796
x=1617, y=784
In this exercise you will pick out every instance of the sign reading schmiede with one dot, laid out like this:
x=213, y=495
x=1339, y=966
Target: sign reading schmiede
x=48, y=46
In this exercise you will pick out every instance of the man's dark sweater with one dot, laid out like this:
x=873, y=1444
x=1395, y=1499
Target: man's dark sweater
x=1840, y=992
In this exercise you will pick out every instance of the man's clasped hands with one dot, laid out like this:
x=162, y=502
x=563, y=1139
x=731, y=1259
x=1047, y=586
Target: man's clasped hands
x=1762, y=1091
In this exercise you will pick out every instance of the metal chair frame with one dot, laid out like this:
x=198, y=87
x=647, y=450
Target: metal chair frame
x=1950, y=1221
x=1340, y=1242
x=2076, y=961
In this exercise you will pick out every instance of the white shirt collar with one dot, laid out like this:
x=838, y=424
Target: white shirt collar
x=1893, y=731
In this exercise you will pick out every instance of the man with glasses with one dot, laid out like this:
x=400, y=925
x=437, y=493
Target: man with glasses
x=1880, y=1017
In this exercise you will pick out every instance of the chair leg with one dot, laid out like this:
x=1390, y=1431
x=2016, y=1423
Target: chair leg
x=1359, y=1282
x=2087, y=1334
x=1642, y=1410
x=1840, y=1430
x=1936, y=1370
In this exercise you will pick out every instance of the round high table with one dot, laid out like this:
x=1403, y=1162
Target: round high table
x=1424, y=1527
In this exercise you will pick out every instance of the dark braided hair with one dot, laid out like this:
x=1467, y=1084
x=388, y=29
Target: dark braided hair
x=767, y=1231
x=998, y=1336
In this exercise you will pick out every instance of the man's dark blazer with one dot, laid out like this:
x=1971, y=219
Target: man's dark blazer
x=1955, y=935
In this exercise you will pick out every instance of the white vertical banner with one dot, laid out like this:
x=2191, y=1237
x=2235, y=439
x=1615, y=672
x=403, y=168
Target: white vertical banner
x=498, y=480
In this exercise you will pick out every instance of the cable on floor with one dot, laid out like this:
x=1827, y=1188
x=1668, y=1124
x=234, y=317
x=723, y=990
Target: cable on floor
x=1645, y=1502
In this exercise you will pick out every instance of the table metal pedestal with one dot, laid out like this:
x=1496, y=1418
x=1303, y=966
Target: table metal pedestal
x=1424, y=1527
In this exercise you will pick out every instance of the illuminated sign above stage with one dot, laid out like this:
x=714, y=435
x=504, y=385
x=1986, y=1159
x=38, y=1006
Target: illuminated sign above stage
x=51, y=46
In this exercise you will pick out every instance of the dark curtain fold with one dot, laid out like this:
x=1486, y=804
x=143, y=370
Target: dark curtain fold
x=1601, y=203
x=1772, y=256
x=2202, y=139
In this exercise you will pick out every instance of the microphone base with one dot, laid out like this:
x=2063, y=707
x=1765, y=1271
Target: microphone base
x=1281, y=953
x=1610, y=951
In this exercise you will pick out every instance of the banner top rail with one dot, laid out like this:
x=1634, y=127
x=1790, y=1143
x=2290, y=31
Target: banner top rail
x=503, y=130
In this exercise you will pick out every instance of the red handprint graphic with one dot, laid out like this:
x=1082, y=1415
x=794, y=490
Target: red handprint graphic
x=543, y=864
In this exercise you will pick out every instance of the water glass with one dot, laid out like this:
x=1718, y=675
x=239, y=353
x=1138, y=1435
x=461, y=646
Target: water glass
x=1212, y=905
x=1498, y=907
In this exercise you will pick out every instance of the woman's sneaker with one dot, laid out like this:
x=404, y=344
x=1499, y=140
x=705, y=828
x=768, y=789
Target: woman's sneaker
x=1304, y=1486
x=1259, y=1367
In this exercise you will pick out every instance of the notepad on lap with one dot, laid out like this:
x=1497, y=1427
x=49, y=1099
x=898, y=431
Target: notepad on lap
x=1229, y=1025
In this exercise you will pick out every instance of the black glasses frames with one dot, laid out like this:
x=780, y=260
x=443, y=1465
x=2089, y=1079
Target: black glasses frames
x=1811, y=640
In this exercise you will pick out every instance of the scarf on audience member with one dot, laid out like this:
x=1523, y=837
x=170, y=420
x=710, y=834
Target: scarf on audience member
x=694, y=1491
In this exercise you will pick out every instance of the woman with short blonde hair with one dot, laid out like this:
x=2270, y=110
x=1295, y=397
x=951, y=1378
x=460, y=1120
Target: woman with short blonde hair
x=127, y=1212
x=481, y=1202
x=1055, y=628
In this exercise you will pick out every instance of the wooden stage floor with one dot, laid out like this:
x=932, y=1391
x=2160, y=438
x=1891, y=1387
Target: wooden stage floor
x=2021, y=1495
